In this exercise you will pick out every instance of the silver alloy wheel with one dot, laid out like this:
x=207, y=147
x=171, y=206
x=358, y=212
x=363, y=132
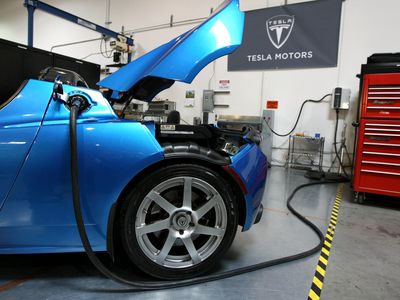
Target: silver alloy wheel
x=197, y=225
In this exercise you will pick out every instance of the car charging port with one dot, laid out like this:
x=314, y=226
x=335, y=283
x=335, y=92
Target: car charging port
x=80, y=102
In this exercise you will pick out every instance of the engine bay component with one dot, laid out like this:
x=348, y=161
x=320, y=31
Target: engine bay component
x=224, y=141
x=65, y=76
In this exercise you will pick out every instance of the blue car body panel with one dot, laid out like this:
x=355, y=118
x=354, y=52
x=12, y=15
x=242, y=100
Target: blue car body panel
x=251, y=165
x=36, y=209
x=185, y=56
x=37, y=215
x=19, y=124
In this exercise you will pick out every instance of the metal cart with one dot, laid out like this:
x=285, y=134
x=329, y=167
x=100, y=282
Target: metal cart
x=306, y=152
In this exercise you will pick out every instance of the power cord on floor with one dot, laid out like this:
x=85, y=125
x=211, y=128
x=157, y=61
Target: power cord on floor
x=298, y=116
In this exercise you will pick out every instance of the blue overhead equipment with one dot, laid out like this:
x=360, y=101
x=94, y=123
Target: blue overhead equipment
x=32, y=5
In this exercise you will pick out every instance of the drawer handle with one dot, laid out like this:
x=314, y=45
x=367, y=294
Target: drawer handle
x=380, y=172
x=380, y=163
x=382, y=107
x=381, y=134
x=384, y=93
x=380, y=153
x=384, y=129
x=381, y=144
x=383, y=98
x=382, y=88
x=382, y=125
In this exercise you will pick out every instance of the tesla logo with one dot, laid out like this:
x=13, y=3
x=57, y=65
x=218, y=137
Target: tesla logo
x=279, y=29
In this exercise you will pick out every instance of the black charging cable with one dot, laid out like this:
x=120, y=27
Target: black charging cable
x=75, y=108
x=335, y=146
x=298, y=116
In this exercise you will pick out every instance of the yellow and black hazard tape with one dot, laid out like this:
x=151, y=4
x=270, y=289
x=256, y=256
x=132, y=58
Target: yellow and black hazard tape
x=318, y=280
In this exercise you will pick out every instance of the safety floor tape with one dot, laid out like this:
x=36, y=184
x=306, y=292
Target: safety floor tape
x=318, y=280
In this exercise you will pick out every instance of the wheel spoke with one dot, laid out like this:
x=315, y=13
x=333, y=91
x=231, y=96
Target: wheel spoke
x=157, y=226
x=206, y=230
x=207, y=207
x=161, y=201
x=191, y=250
x=166, y=248
x=187, y=193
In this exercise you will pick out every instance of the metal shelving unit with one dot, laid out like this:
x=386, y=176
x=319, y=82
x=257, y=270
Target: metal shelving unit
x=306, y=152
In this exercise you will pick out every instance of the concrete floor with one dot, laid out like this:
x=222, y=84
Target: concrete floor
x=364, y=261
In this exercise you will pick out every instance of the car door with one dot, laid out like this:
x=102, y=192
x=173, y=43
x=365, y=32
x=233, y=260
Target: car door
x=20, y=121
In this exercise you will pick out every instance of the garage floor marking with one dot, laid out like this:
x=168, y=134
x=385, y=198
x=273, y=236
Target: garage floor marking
x=318, y=280
x=14, y=283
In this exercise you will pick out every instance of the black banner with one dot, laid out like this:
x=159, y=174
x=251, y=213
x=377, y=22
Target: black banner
x=304, y=35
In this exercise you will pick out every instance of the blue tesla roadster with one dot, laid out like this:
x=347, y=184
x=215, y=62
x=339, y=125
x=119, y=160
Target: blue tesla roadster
x=168, y=196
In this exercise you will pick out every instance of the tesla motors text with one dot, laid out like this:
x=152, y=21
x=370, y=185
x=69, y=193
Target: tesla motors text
x=280, y=56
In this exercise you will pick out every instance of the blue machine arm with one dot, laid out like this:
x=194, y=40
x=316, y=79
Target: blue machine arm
x=31, y=5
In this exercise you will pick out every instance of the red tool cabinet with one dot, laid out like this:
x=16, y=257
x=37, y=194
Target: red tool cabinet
x=377, y=155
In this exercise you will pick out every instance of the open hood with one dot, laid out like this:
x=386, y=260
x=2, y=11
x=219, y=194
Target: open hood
x=182, y=58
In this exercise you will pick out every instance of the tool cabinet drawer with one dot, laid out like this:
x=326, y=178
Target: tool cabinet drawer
x=381, y=96
x=379, y=139
x=382, y=156
x=384, y=133
x=377, y=167
x=378, y=182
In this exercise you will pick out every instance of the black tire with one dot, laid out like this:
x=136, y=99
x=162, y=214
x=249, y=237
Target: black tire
x=139, y=248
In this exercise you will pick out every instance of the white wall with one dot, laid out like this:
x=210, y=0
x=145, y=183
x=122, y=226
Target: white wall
x=369, y=26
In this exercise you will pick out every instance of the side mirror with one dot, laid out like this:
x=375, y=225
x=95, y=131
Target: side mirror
x=58, y=91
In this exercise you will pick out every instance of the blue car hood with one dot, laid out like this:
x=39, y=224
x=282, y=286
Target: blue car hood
x=182, y=58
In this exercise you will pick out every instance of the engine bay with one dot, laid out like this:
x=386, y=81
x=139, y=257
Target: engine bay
x=224, y=141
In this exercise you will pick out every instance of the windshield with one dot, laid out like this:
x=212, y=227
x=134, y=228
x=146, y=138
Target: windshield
x=9, y=100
